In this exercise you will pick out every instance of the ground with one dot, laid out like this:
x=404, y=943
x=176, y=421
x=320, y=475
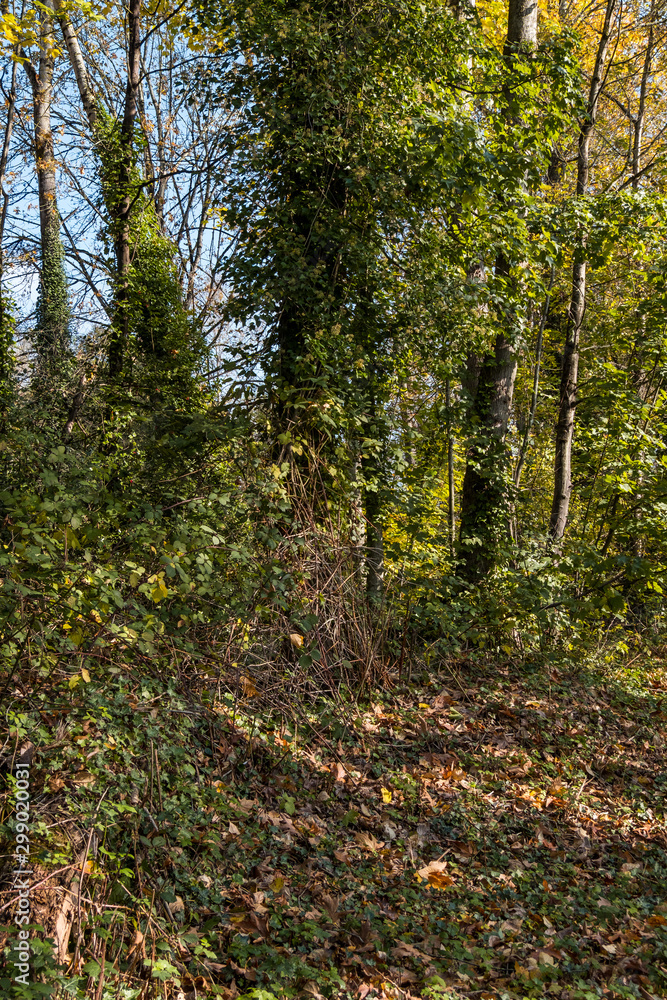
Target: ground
x=484, y=829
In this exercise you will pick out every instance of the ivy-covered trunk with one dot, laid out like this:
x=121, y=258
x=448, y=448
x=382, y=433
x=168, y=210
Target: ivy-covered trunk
x=6, y=311
x=51, y=336
x=148, y=301
x=125, y=195
x=484, y=497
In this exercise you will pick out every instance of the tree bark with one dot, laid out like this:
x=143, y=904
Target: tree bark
x=570, y=371
x=79, y=66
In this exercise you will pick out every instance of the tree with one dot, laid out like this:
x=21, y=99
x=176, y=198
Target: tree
x=52, y=326
x=148, y=298
x=575, y=317
x=484, y=499
x=346, y=107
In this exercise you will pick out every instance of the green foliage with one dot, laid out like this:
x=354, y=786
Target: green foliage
x=166, y=348
x=7, y=334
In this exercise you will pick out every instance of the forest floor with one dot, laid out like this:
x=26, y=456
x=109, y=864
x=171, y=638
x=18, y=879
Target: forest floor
x=487, y=831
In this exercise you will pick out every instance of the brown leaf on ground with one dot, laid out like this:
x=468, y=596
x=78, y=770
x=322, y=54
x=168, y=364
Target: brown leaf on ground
x=435, y=873
x=368, y=842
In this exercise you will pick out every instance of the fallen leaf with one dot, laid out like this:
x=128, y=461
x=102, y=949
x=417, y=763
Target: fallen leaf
x=368, y=841
x=435, y=873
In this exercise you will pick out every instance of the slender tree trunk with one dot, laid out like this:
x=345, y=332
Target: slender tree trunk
x=6, y=318
x=570, y=371
x=78, y=64
x=484, y=493
x=536, y=382
x=121, y=322
x=52, y=326
x=373, y=504
x=117, y=165
x=451, y=504
x=638, y=131
x=374, y=546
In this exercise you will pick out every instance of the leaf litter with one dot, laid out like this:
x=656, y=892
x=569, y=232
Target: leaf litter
x=495, y=831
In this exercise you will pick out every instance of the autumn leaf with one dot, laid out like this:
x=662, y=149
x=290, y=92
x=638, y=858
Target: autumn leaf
x=435, y=873
x=368, y=841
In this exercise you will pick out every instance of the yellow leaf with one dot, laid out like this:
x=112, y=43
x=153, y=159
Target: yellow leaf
x=386, y=796
x=85, y=675
x=159, y=592
x=296, y=640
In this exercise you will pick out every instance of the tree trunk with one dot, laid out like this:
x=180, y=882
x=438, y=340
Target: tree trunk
x=117, y=164
x=121, y=322
x=484, y=496
x=521, y=26
x=536, y=381
x=79, y=66
x=52, y=325
x=6, y=318
x=451, y=499
x=638, y=124
x=371, y=466
x=570, y=371
x=374, y=546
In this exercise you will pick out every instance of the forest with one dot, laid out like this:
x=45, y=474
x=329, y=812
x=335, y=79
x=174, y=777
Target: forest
x=333, y=499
